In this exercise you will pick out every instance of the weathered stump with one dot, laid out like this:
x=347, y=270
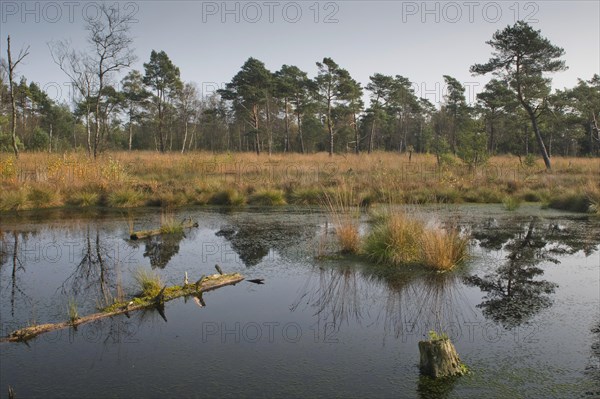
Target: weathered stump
x=439, y=358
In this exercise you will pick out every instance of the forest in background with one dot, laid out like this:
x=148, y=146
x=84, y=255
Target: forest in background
x=117, y=108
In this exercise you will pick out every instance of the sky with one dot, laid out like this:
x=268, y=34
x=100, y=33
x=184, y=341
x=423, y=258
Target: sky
x=210, y=40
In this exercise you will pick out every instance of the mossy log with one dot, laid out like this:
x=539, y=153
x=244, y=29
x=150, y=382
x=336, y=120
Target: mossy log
x=439, y=359
x=139, y=235
x=207, y=283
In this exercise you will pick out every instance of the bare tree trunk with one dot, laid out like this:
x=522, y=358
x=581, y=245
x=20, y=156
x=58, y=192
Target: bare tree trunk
x=185, y=134
x=89, y=131
x=371, y=135
x=286, y=147
x=97, y=127
x=357, y=136
x=11, y=71
x=538, y=136
x=256, y=136
x=300, y=133
x=50, y=143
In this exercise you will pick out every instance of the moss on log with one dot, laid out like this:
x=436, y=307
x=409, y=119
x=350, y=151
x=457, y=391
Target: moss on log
x=207, y=283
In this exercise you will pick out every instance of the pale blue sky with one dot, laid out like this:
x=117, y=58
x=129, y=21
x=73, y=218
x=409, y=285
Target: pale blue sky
x=421, y=41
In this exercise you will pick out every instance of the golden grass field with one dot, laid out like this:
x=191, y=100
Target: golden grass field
x=134, y=179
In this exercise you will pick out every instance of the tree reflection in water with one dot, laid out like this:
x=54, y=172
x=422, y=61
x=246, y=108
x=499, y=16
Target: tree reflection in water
x=12, y=256
x=515, y=291
x=97, y=276
x=253, y=239
x=416, y=301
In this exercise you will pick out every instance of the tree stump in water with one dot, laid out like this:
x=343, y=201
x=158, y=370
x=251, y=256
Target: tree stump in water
x=439, y=358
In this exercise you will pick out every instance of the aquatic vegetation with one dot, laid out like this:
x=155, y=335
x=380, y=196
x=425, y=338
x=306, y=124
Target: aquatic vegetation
x=400, y=240
x=73, y=312
x=342, y=209
x=511, y=203
x=395, y=240
x=443, y=249
x=267, y=197
x=149, y=282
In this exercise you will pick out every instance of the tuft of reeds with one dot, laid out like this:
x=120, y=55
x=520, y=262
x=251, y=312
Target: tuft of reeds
x=442, y=249
x=511, y=203
x=168, y=224
x=72, y=309
x=342, y=209
x=125, y=198
x=395, y=240
x=229, y=197
x=149, y=282
x=400, y=240
x=267, y=197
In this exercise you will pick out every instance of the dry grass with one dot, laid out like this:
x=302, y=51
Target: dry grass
x=400, y=240
x=123, y=179
x=442, y=250
x=344, y=213
x=395, y=239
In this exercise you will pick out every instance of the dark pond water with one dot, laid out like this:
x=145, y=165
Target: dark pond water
x=523, y=312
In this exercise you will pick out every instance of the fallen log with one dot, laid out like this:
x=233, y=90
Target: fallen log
x=139, y=235
x=208, y=283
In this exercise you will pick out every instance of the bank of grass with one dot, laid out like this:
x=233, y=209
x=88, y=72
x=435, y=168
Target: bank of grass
x=134, y=179
x=398, y=240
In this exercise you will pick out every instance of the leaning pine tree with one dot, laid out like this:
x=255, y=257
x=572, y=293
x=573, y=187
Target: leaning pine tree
x=521, y=56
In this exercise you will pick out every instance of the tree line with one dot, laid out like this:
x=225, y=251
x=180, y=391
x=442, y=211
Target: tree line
x=287, y=111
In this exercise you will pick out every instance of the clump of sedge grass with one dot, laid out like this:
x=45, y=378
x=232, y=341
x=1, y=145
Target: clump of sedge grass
x=511, y=203
x=395, y=240
x=400, y=240
x=592, y=192
x=149, y=282
x=442, y=250
x=84, y=199
x=227, y=197
x=125, y=198
x=13, y=200
x=267, y=197
x=168, y=225
x=345, y=215
x=73, y=312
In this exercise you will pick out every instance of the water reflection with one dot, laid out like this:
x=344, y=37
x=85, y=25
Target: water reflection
x=12, y=257
x=160, y=249
x=253, y=240
x=515, y=291
x=416, y=301
x=97, y=275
